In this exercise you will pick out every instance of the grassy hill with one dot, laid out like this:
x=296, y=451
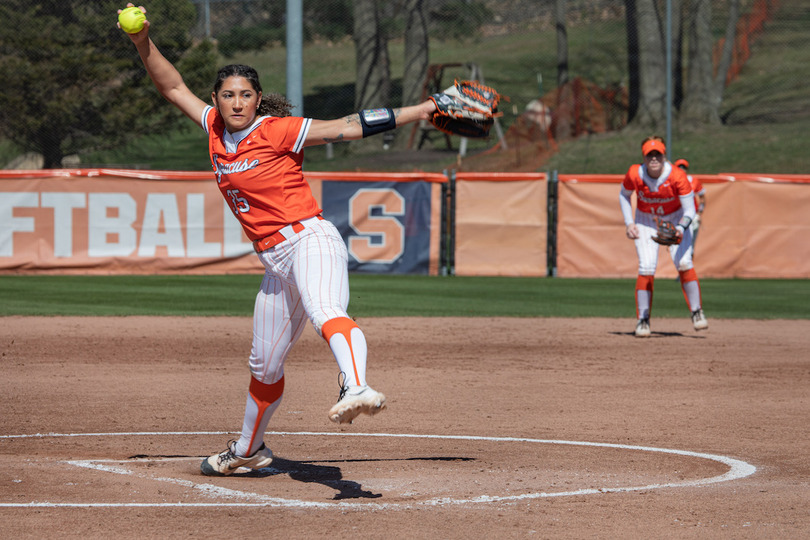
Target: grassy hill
x=766, y=109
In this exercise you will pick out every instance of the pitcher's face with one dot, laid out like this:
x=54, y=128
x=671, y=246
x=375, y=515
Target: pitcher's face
x=237, y=102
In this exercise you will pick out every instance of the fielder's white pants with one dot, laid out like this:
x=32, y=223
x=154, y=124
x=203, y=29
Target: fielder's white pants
x=647, y=249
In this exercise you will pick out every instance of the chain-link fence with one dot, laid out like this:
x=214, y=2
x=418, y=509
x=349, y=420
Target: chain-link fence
x=75, y=94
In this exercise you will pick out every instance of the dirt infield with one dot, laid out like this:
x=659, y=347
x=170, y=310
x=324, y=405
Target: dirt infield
x=496, y=428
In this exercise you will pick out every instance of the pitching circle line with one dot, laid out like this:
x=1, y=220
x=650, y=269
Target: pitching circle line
x=737, y=469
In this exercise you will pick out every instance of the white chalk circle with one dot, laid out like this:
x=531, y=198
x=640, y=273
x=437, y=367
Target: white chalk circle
x=737, y=469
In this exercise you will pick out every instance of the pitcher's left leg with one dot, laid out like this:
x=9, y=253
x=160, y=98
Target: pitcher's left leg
x=321, y=272
x=348, y=344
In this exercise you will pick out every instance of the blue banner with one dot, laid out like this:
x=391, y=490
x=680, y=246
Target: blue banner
x=386, y=225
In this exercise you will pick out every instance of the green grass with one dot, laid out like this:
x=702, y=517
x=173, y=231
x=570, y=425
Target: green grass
x=405, y=296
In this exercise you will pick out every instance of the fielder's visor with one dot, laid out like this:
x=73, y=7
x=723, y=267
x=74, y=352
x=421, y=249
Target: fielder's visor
x=653, y=146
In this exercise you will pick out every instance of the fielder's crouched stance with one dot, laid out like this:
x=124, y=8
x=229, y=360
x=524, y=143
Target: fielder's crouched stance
x=256, y=151
x=665, y=209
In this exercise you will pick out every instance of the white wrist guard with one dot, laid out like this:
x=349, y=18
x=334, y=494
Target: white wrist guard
x=684, y=223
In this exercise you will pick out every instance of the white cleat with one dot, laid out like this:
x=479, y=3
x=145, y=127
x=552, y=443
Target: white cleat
x=699, y=320
x=226, y=463
x=355, y=400
x=643, y=328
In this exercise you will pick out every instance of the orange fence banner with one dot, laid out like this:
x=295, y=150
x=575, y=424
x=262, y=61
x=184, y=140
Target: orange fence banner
x=100, y=222
x=756, y=227
x=473, y=224
x=106, y=221
x=590, y=230
x=500, y=224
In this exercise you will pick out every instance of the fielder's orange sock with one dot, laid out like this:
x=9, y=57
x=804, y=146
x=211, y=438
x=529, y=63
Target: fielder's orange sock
x=348, y=344
x=644, y=293
x=691, y=289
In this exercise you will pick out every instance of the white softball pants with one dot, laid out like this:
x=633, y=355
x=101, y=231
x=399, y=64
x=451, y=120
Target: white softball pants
x=647, y=249
x=306, y=277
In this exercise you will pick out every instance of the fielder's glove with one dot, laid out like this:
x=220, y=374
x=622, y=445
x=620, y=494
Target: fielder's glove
x=667, y=233
x=467, y=108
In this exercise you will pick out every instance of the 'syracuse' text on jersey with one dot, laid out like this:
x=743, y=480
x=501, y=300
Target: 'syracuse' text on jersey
x=659, y=196
x=258, y=170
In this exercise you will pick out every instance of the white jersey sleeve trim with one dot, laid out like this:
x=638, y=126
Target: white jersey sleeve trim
x=204, y=116
x=627, y=207
x=302, y=135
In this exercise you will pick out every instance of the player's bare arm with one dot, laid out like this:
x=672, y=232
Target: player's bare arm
x=165, y=76
x=366, y=123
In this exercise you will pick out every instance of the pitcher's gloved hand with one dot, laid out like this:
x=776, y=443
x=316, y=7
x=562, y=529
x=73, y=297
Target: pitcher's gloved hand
x=467, y=108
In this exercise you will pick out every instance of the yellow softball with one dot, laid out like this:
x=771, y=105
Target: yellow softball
x=131, y=20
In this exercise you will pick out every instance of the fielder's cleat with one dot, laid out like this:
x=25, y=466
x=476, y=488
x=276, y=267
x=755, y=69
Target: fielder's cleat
x=354, y=400
x=643, y=328
x=227, y=462
x=699, y=320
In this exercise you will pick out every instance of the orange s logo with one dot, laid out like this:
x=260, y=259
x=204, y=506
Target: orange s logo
x=380, y=235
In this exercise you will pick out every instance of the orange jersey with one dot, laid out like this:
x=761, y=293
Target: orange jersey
x=659, y=196
x=259, y=173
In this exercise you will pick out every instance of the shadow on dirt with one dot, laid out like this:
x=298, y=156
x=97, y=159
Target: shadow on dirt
x=331, y=476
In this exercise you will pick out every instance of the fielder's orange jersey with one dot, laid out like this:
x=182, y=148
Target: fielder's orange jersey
x=659, y=196
x=259, y=173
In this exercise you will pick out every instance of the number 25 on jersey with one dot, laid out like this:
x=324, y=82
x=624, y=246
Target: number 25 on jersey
x=239, y=204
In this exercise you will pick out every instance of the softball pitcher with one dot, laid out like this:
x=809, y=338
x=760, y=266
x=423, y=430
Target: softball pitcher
x=256, y=152
x=662, y=193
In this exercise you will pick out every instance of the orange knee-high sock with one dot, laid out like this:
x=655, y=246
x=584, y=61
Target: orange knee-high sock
x=644, y=293
x=263, y=395
x=348, y=344
x=691, y=288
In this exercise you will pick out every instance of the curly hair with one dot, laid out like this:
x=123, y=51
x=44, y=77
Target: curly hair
x=272, y=104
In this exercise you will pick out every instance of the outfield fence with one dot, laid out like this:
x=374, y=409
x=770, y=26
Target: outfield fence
x=113, y=221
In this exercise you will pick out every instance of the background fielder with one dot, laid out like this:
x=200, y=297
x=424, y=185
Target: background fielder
x=662, y=193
